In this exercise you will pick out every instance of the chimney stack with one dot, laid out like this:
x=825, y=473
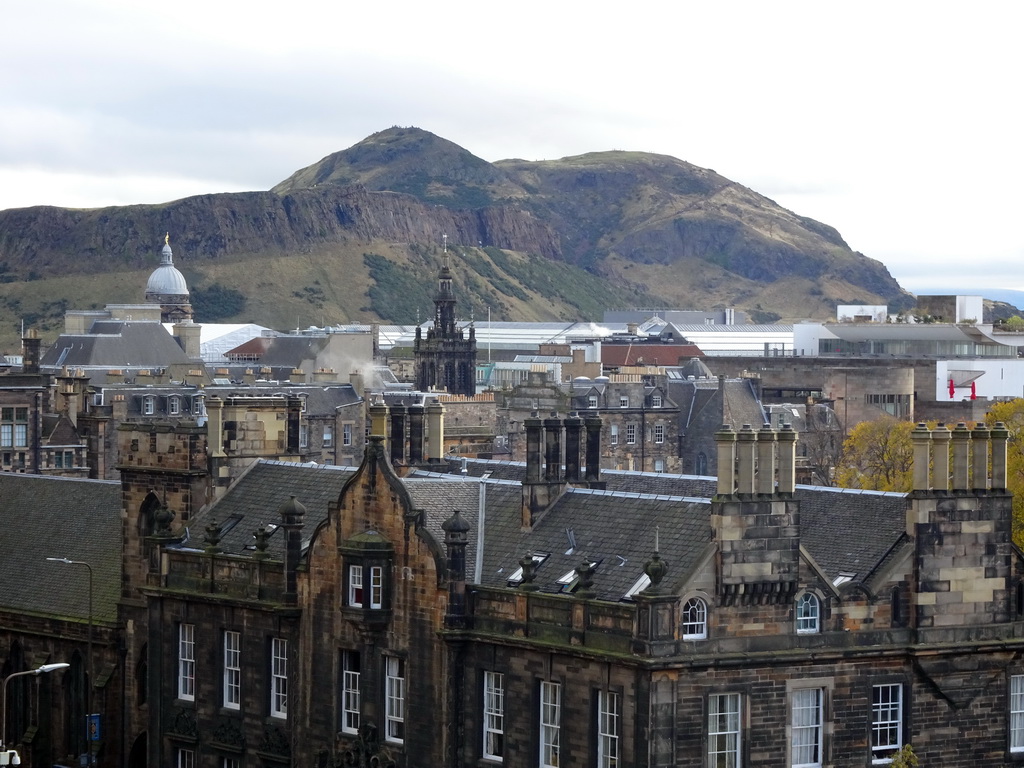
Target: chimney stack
x=30, y=346
x=292, y=513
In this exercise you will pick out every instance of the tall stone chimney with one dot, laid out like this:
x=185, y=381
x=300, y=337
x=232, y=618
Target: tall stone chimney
x=292, y=513
x=30, y=346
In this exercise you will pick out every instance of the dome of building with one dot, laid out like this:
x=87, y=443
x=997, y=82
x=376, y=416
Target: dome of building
x=166, y=280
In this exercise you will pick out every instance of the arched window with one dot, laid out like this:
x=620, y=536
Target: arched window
x=808, y=614
x=695, y=619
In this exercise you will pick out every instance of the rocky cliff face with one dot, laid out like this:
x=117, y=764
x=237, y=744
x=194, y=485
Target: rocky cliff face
x=602, y=212
x=47, y=240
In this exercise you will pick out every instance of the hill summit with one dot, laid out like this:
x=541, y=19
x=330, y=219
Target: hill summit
x=354, y=235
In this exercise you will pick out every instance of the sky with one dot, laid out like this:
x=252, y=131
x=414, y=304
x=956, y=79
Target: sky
x=898, y=123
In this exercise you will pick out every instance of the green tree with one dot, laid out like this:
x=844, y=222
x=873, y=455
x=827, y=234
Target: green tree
x=905, y=758
x=878, y=456
x=1011, y=413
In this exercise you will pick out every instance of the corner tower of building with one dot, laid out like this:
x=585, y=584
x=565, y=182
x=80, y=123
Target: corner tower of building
x=167, y=287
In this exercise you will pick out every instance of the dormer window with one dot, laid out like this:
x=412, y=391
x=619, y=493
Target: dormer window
x=592, y=401
x=357, y=593
x=808, y=614
x=623, y=401
x=367, y=572
x=174, y=406
x=655, y=400
x=695, y=619
x=148, y=405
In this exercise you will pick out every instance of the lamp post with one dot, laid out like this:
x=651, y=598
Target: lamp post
x=10, y=756
x=88, y=655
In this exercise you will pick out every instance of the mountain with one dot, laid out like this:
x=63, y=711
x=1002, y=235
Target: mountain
x=358, y=235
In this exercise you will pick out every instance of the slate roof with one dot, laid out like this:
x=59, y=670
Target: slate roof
x=115, y=344
x=844, y=529
x=254, y=498
x=44, y=517
x=613, y=530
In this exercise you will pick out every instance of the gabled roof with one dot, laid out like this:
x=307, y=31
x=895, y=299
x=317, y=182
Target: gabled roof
x=43, y=517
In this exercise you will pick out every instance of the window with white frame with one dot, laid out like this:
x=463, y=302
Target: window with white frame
x=592, y=401
x=328, y=435
x=355, y=585
x=376, y=586
x=187, y=662
x=494, y=716
x=614, y=435
x=350, y=672
x=655, y=400
x=173, y=406
x=695, y=619
x=395, y=695
x=724, y=737
x=550, y=724
x=623, y=401
x=1017, y=713
x=659, y=465
x=808, y=614
x=232, y=670
x=630, y=434
x=609, y=720
x=303, y=435
x=186, y=758
x=346, y=434
x=197, y=406
x=806, y=721
x=659, y=433
x=148, y=405
x=886, y=722
x=279, y=677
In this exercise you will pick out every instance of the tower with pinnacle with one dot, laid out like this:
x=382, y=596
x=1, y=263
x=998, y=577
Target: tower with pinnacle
x=445, y=359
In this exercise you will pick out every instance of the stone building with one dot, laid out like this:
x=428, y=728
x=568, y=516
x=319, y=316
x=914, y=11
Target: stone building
x=550, y=613
x=39, y=431
x=445, y=359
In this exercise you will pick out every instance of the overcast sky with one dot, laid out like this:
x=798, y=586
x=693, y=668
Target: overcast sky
x=899, y=123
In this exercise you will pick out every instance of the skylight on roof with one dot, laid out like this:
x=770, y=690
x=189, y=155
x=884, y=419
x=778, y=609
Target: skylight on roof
x=638, y=586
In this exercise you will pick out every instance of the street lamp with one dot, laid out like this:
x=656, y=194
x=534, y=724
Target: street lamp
x=88, y=654
x=10, y=756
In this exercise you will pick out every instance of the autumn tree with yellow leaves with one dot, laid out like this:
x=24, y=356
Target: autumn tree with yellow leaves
x=1011, y=413
x=878, y=456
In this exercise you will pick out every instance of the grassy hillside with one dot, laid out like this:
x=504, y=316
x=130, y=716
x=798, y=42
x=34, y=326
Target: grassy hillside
x=349, y=283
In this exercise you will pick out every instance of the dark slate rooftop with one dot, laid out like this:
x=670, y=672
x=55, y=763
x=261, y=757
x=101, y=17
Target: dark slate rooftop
x=43, y=517
x=845, y=530
x=255, y=497
x=116, y=344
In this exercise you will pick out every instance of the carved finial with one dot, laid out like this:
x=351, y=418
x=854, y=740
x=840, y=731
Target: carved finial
x=444, y=238
x=167, y=238
x=262, y=537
